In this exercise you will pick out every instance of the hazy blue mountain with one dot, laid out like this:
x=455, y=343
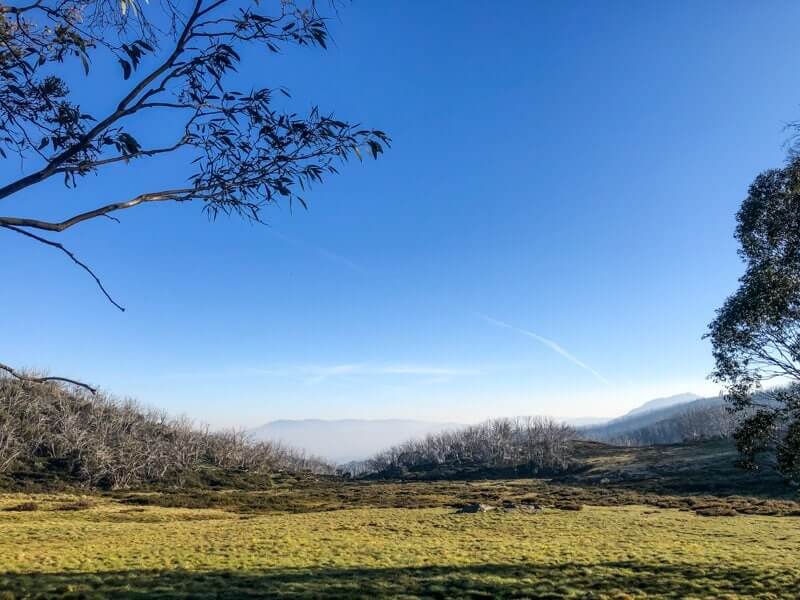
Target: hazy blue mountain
x=583, y=421
x=649, y=406
x=660, y=403
x=635, y=420
x=345, y=440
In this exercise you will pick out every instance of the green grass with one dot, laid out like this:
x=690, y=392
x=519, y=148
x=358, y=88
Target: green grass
x=707, y=467
x=666, y=522
x=107, y=548
x=323, y=494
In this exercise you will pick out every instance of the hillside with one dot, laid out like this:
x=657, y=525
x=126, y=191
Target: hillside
x=644, y=408
x=705, y=467
x=694, y=468
x=639, y=419
x=53, y=436
x=660, y=403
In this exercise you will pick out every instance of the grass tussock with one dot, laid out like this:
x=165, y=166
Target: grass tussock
x=568, y=506
x=23, y=507
x=82, y=504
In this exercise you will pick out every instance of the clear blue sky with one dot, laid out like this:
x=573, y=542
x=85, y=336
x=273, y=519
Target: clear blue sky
x=550, y=233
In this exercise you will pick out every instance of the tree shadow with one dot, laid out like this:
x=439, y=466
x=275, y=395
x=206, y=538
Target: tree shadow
x=587, y=580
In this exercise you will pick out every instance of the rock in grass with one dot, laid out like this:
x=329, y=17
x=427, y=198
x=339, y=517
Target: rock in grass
x=507, y=506
x=569, y=506
x=476, y=507
x=716, y=511
x=528, y=507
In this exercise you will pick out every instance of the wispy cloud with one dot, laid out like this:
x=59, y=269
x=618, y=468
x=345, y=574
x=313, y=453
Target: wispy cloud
x=323, y=252
x=319, y=374
x=554, y=346
x=365, y=369
x=420, y=370
x=316, y=374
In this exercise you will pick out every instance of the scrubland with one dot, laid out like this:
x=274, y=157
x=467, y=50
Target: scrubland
x=103, y=499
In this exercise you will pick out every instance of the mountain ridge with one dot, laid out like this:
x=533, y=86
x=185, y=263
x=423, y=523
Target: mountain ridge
x=660, y=403
x=632, y=422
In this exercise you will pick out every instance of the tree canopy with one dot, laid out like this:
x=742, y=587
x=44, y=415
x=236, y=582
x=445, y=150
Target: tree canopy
x=180, y=58
x=177, y=57
x=756, y=334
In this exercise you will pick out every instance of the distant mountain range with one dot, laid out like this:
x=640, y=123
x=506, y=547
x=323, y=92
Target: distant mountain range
x=660, y=403
x=346, y=440
x=649, y=406
x=582, y=421
x=665, y=408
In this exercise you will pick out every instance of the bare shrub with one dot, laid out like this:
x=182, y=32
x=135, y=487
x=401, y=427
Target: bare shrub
x=111, y=443
x=533, y=443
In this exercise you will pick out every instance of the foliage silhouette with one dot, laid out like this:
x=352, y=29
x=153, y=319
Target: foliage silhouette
x=756, y=334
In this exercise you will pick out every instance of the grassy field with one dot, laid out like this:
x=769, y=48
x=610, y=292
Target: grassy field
x=667, y=522
x=105, y=547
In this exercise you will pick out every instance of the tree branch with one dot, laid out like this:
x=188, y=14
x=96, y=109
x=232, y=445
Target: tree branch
x=166, y=195
x=17, y=375
x=71, y=256
x=88, y=165
x=18, y=10
x=123, y=110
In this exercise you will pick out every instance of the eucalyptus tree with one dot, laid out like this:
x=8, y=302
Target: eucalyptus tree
x=756, y=334
x=179, y=59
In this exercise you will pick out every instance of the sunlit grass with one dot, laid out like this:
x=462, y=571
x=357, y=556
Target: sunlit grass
x=114, y=549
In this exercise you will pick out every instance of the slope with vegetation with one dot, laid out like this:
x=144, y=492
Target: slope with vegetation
x=706, y=418
x=59, y=436
x=659, y=403
x=526, y=445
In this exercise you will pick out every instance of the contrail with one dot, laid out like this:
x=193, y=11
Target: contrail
x=550, y=344
x=323, y=252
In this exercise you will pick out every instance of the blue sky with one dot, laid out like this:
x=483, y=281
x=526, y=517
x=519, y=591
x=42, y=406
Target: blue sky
x=550, y=233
